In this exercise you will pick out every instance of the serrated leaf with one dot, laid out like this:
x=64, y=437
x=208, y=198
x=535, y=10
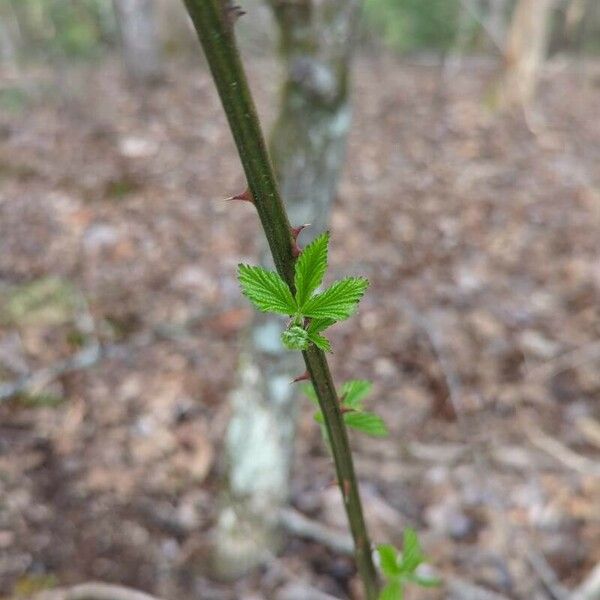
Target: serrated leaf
x=367, y=422
x=338, y=301
x=392, y=591
x=355, y=391
x=308, y=390
x=320, y=341
x=266, y=290
x=412, y=555
x=310, y=268
x=388, y=559
x=318, y=325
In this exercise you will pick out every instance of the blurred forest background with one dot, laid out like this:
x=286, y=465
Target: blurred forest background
x=149, y=435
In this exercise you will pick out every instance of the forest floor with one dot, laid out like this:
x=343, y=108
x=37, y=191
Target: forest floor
x=480, y=235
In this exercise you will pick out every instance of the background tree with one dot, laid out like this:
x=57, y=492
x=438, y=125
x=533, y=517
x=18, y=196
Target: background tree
x=526, y=48
x=497, y=10
x=307, y=147
x=139, y=39
x=9, y=34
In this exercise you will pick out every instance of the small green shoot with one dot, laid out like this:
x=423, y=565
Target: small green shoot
x=310, y=312
x=351, y=404
x=400, y=569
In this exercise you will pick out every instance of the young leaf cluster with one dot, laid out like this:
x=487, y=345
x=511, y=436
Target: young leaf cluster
x=400, y=569
x=352, y=398
x=311, y=312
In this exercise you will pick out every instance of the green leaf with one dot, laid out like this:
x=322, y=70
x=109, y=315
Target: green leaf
x=426, y=582
x=354, y=392
x=392, y=591
x=295, y=338
x=412, y=555
x=338, y=301
x=308, y=389
x=310, y=268
x=318, y=417
x=318, y=325
x=388, y=559
x=319, y=341
x=367, y=422
x=266, y=290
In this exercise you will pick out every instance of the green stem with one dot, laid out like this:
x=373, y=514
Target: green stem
x=212, y=20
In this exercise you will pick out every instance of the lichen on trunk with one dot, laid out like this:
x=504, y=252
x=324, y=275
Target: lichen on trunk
x=307, y=149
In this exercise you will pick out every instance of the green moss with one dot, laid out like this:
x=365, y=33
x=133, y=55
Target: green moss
x=13, y=99
x=415, y=25
x=45, y=301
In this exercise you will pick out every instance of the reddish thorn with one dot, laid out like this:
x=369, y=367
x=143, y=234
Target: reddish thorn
x=246, y=196
x=345, y=409
x=234, y=12
x=304, y=377
x=346, y=489
x=297, y=230
x=295, y=233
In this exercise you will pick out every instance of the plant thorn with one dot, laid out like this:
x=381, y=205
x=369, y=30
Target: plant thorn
x=245, y=196
x=346, y=489
x=297, y=230
x=233, y=12
x=304, y=377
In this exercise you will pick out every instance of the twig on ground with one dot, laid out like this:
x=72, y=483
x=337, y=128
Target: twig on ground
x=590, y=587
x=297, y=524
x=565, y=361
x=436, y=342
x=93, y=590
x=301, y=591
x=546, y=574
x=560, y=452
x=83, y=359
x=590, y=429
x=95, y=352
x=465, y=590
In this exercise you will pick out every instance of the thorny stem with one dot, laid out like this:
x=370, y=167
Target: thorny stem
x=213, y=20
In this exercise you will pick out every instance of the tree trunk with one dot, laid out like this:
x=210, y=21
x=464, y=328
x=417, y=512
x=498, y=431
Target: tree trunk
x=139, y=38
x=497, y=18
x=9, y=36
x=307, y=148
x=525, y=51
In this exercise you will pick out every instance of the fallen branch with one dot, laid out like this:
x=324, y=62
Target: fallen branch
x=34, y=382
x=95, y=353
x=565, y=361
x=465, y=590
x=302, y=591
x=546, y=574
x=590, y=587
x=438, y=347
x=297, y=524
x=562, y=453
x=93, y=590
